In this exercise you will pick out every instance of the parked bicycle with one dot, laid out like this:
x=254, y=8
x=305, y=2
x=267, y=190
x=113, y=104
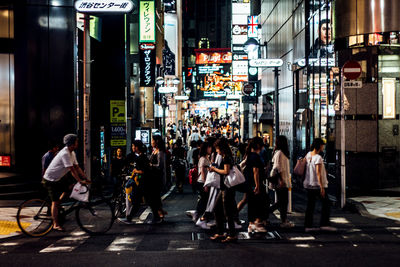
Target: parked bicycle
x=94, y=217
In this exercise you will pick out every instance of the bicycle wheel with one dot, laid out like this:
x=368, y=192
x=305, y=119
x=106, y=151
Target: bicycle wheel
x=95, y=217
x=34, y=217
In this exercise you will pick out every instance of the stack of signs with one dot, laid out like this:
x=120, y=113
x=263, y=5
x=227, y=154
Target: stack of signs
x=147, y=64
x=118, y=122
x=240, y=13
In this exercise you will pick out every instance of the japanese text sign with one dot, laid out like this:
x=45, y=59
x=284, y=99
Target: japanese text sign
x=147, y=22
x=117, y=111
x=104, y=6
x=147, y=56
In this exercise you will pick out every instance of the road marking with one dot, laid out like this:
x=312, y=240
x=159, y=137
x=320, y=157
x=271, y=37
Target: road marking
x=125, y=243
x=67, y=244
x=183, y=245
x=9, y=227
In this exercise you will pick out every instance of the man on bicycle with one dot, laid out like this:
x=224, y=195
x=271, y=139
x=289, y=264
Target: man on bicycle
x=57, y=180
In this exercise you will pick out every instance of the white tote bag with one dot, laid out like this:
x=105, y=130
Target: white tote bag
x=235, y=177
x=80, y=192
x=212, y=180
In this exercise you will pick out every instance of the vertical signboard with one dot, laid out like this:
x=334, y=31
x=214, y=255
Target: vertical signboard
x=389, y=96
x=118, y=122
x=147, y=56
x=252, y=26
x=147, y=22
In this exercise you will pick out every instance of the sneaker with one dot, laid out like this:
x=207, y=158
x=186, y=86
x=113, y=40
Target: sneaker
x=125, y=220
x=287, y=225
x=237, y=226
x=190, y=213
x=310, y=229
x=328, y=228
x=211, y=223
x=202, y=224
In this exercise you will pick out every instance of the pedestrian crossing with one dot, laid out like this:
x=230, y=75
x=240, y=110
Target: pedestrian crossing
x=79, y=242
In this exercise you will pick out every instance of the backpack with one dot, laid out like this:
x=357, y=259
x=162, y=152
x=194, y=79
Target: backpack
x=193, y=175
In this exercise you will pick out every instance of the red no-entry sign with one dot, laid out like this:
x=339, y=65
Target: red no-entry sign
x=352, y=70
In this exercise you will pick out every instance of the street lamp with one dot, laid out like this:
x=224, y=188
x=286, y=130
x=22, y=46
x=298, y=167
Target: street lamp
x=166, y=90
x=251, y=47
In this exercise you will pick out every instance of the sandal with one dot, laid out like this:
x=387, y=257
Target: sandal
x=230, y=239
x=217, y=237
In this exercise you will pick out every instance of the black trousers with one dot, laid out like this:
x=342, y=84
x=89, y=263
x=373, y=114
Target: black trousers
x=312, y=195
x=282, y=195
x=202, y=199
x=257, y=206
x=226, y=210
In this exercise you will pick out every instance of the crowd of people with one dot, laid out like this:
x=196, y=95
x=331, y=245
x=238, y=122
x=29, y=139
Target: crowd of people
x=204, y=156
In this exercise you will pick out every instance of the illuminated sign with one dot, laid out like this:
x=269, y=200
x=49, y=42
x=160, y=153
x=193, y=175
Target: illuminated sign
x=241, y=8
x=389, y=96
x=214, y=94
x=252, y=26
x=240, y=57
x=210, y=69
x=239, y=30
x=214, y=58
x=167, y=90
x=5, y=161
x=240, y=70
x=266, y=63
x=181, y=97
x=147, y=55
x=317, y=62
x=104, y=6
x=147, y=22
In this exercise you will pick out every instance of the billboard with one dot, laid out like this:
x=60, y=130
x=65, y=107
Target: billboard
x=213, y=58
x=147, y=22
x=147, y=55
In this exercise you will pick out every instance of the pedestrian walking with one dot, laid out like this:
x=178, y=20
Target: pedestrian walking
x=225, y=208
x=316, y=183
x=256, y=191
x=281, y=167
x=155, y=181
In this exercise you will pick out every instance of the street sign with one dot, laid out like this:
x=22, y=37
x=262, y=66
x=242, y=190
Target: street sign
x=266, y=62
x=181, y=97
x=248, y=88
x=352, y=84
x=104, y=6
x=167, y=90
x=117, y=111
x=352, y=70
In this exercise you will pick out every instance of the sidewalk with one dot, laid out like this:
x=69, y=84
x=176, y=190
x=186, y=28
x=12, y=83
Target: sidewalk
x=8, y=221
x=384, y=207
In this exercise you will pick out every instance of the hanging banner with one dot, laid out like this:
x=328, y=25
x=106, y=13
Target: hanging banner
x=147, y=56
x=147, y=22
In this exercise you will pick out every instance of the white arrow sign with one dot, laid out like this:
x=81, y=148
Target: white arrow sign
x=266, y=63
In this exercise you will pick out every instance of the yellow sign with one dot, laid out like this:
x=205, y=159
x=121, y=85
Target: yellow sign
x=117, y=111
x=118, y=142
x=147, y=22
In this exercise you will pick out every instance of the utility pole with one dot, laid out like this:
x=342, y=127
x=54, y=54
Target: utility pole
x=86, y=97
x=342, y=144
x=276, y=96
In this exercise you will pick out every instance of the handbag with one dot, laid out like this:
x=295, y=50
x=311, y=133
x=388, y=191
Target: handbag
x=300, y=168
x=80, y=192
x=212, y=180
x=235, y=177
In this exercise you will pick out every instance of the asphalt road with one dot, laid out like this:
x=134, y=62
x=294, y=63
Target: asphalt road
x=360, y=241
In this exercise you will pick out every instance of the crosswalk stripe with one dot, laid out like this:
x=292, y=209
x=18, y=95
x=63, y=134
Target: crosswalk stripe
x=183, y=245
x=67, y=244
x=125, y=243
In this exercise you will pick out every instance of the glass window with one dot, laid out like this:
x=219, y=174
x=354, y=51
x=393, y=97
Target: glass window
x=6, y=23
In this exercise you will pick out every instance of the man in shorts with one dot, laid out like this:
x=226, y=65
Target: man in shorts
x=55, y=179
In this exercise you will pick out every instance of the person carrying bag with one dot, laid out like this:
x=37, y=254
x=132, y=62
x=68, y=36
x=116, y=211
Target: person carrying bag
x=316, y=183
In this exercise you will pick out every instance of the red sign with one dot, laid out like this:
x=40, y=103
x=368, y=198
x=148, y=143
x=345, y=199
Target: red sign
x=352, y=70
x=213, y=58
x=5, y=161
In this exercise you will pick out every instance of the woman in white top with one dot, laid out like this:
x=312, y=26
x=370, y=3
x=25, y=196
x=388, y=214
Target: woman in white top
x=203, y=165
x=315, y=183
x=281, y=166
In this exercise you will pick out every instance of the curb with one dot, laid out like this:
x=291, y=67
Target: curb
x=358, y=207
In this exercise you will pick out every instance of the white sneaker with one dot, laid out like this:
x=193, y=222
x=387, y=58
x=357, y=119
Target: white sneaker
x=211, y=223
x=328, y=228
x=259, y=228
x=237, y=226
x=251, y=228
x=202, y=224
x=190, y=213
x=125, y=221
x=310, y=229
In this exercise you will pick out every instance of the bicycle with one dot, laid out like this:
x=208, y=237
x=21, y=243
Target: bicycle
x=94, y=217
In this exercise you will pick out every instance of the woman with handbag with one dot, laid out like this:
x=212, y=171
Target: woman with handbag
x=225, y=207
x=256, y=191
x=154, y=182
x=281, y=168
x=315, y=183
